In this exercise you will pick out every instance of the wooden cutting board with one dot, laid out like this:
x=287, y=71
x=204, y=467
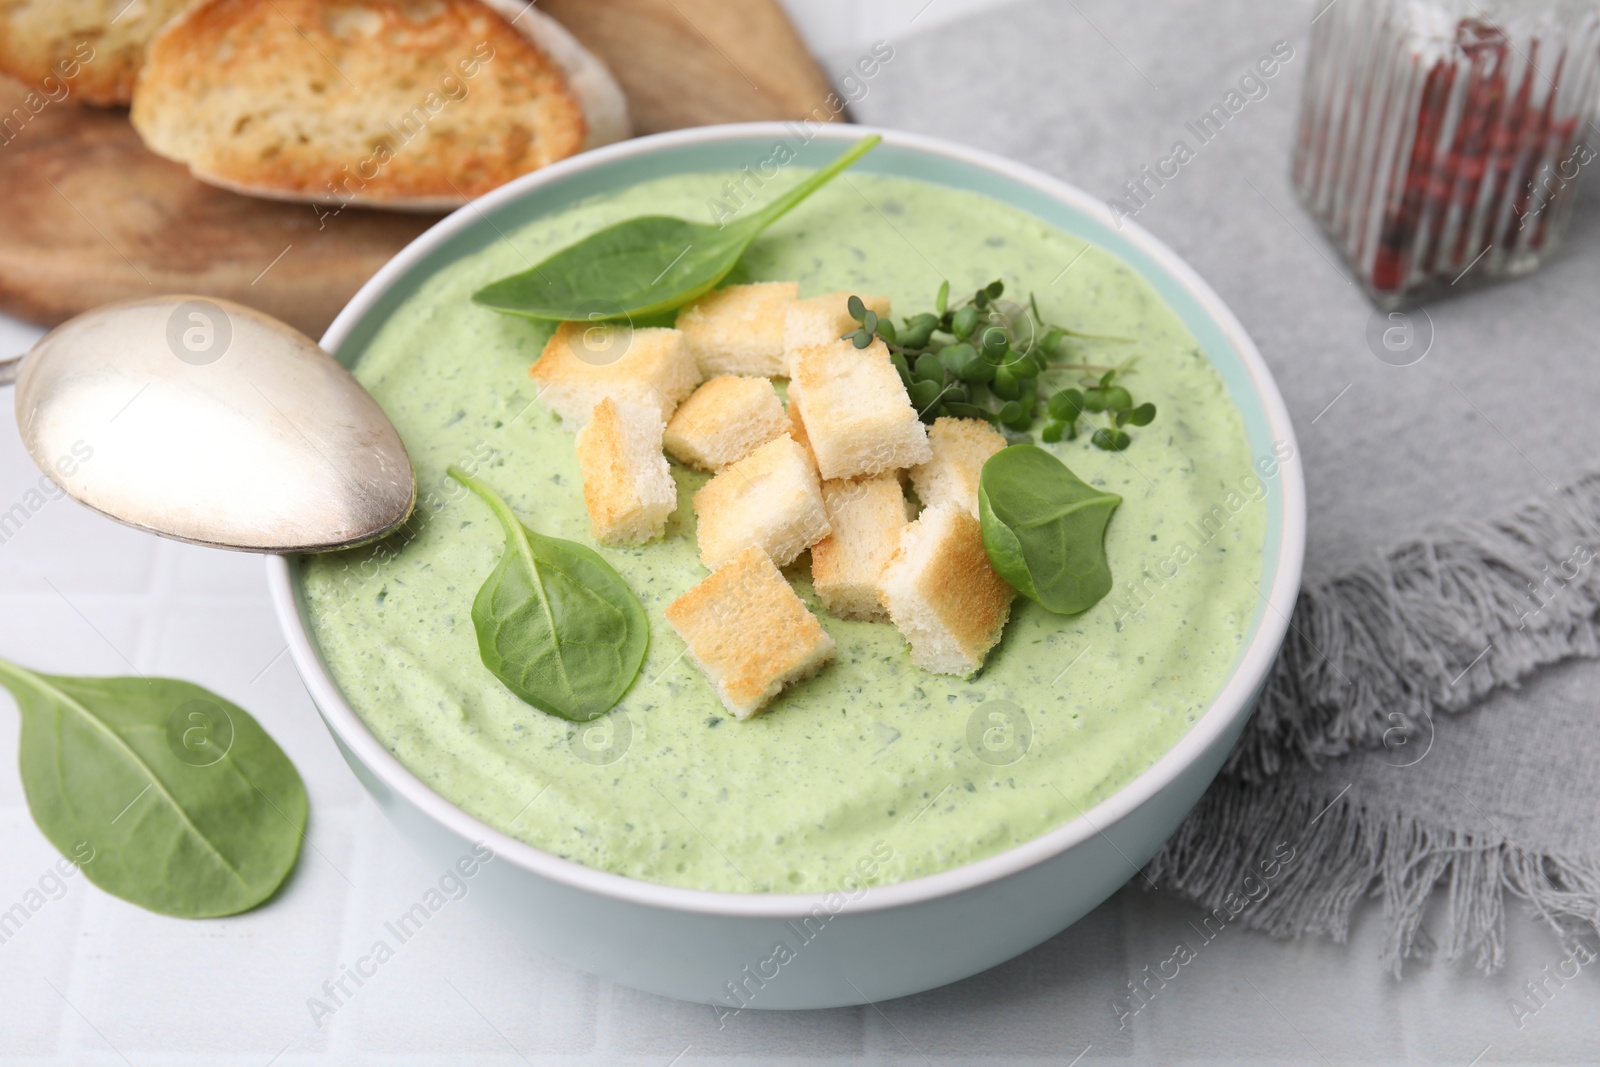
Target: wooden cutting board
x=88, y=215
x=698, y=62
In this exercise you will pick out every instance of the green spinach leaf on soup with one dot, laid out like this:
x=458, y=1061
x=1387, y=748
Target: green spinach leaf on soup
x=1045, y=528
x=555, y=622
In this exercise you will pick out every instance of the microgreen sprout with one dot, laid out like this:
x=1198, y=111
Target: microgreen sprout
x=986, y=358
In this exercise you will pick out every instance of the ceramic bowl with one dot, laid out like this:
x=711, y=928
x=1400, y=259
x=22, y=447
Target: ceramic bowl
x=718, y=947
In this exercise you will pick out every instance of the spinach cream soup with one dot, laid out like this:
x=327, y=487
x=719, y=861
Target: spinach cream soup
x=874, y=765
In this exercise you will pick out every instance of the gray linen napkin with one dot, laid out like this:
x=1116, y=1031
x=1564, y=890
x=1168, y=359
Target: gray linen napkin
x=1426, y=738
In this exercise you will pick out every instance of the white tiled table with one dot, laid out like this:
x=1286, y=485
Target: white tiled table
x=88, y=979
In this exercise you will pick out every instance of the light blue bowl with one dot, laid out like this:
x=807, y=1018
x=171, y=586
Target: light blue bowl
x=718, y=948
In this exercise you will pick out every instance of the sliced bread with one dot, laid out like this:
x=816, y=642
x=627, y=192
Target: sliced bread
x=94, y=48
x=417, y=104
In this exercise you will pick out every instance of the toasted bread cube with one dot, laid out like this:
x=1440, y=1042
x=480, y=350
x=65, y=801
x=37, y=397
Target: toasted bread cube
x=749, y=633
x=739, y=330
x=823, y=319
x=725, y=420
x=770, y=499
x=858, y=417
x=942, y=592
x=584, y=363
x=960, y=447
x=867, y=517
x=797, y=427
x=627, y=485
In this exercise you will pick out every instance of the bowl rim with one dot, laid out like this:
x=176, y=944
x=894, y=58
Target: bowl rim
x=1235, y=698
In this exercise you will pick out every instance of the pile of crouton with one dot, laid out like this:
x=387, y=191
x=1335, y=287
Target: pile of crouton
x=826, y=473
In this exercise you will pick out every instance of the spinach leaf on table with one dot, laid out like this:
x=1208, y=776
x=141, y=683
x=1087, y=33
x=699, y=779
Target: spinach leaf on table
x=555, y=622
x=167, y=795
x=645, y=265
x=1044, y=528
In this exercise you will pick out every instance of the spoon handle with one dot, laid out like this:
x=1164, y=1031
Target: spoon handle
x=9, y=369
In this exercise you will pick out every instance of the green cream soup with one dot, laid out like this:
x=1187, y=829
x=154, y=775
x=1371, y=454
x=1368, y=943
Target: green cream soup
x=874, y=765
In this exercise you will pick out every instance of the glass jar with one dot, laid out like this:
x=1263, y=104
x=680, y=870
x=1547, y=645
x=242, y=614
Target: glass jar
x=1440, y=141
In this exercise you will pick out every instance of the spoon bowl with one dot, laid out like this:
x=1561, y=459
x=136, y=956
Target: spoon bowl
x=205, y=421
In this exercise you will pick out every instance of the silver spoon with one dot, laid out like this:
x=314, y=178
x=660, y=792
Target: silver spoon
x=204, y=421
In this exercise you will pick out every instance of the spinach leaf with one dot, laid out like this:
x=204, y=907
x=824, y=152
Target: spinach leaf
x=555, y=622
x=645, y=265
x=1045, y=529
x=166, y=795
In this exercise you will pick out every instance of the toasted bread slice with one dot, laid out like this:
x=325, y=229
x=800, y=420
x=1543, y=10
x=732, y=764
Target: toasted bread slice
x=866, y=517
x=770, y=499
x=942, y=592
x=417, y=104
x=739, y=330
x=821, y=320
x=93, y=48
x=749, y=633
x=858, y=417
x=583, y=364
x=960, y=447
x=627, y=486
x=725, y=420
x=604, y=104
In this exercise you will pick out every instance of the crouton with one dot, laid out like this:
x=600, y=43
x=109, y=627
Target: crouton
x=797, y=427
x=584, y=363
x=960, y=447
x=627, y=486
x=749, y=633
x=858, y=417
x=739, y=330
x=866, y=517
x=725, y=420
x=823, y=319
x=942, y=592
x=770, y=499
